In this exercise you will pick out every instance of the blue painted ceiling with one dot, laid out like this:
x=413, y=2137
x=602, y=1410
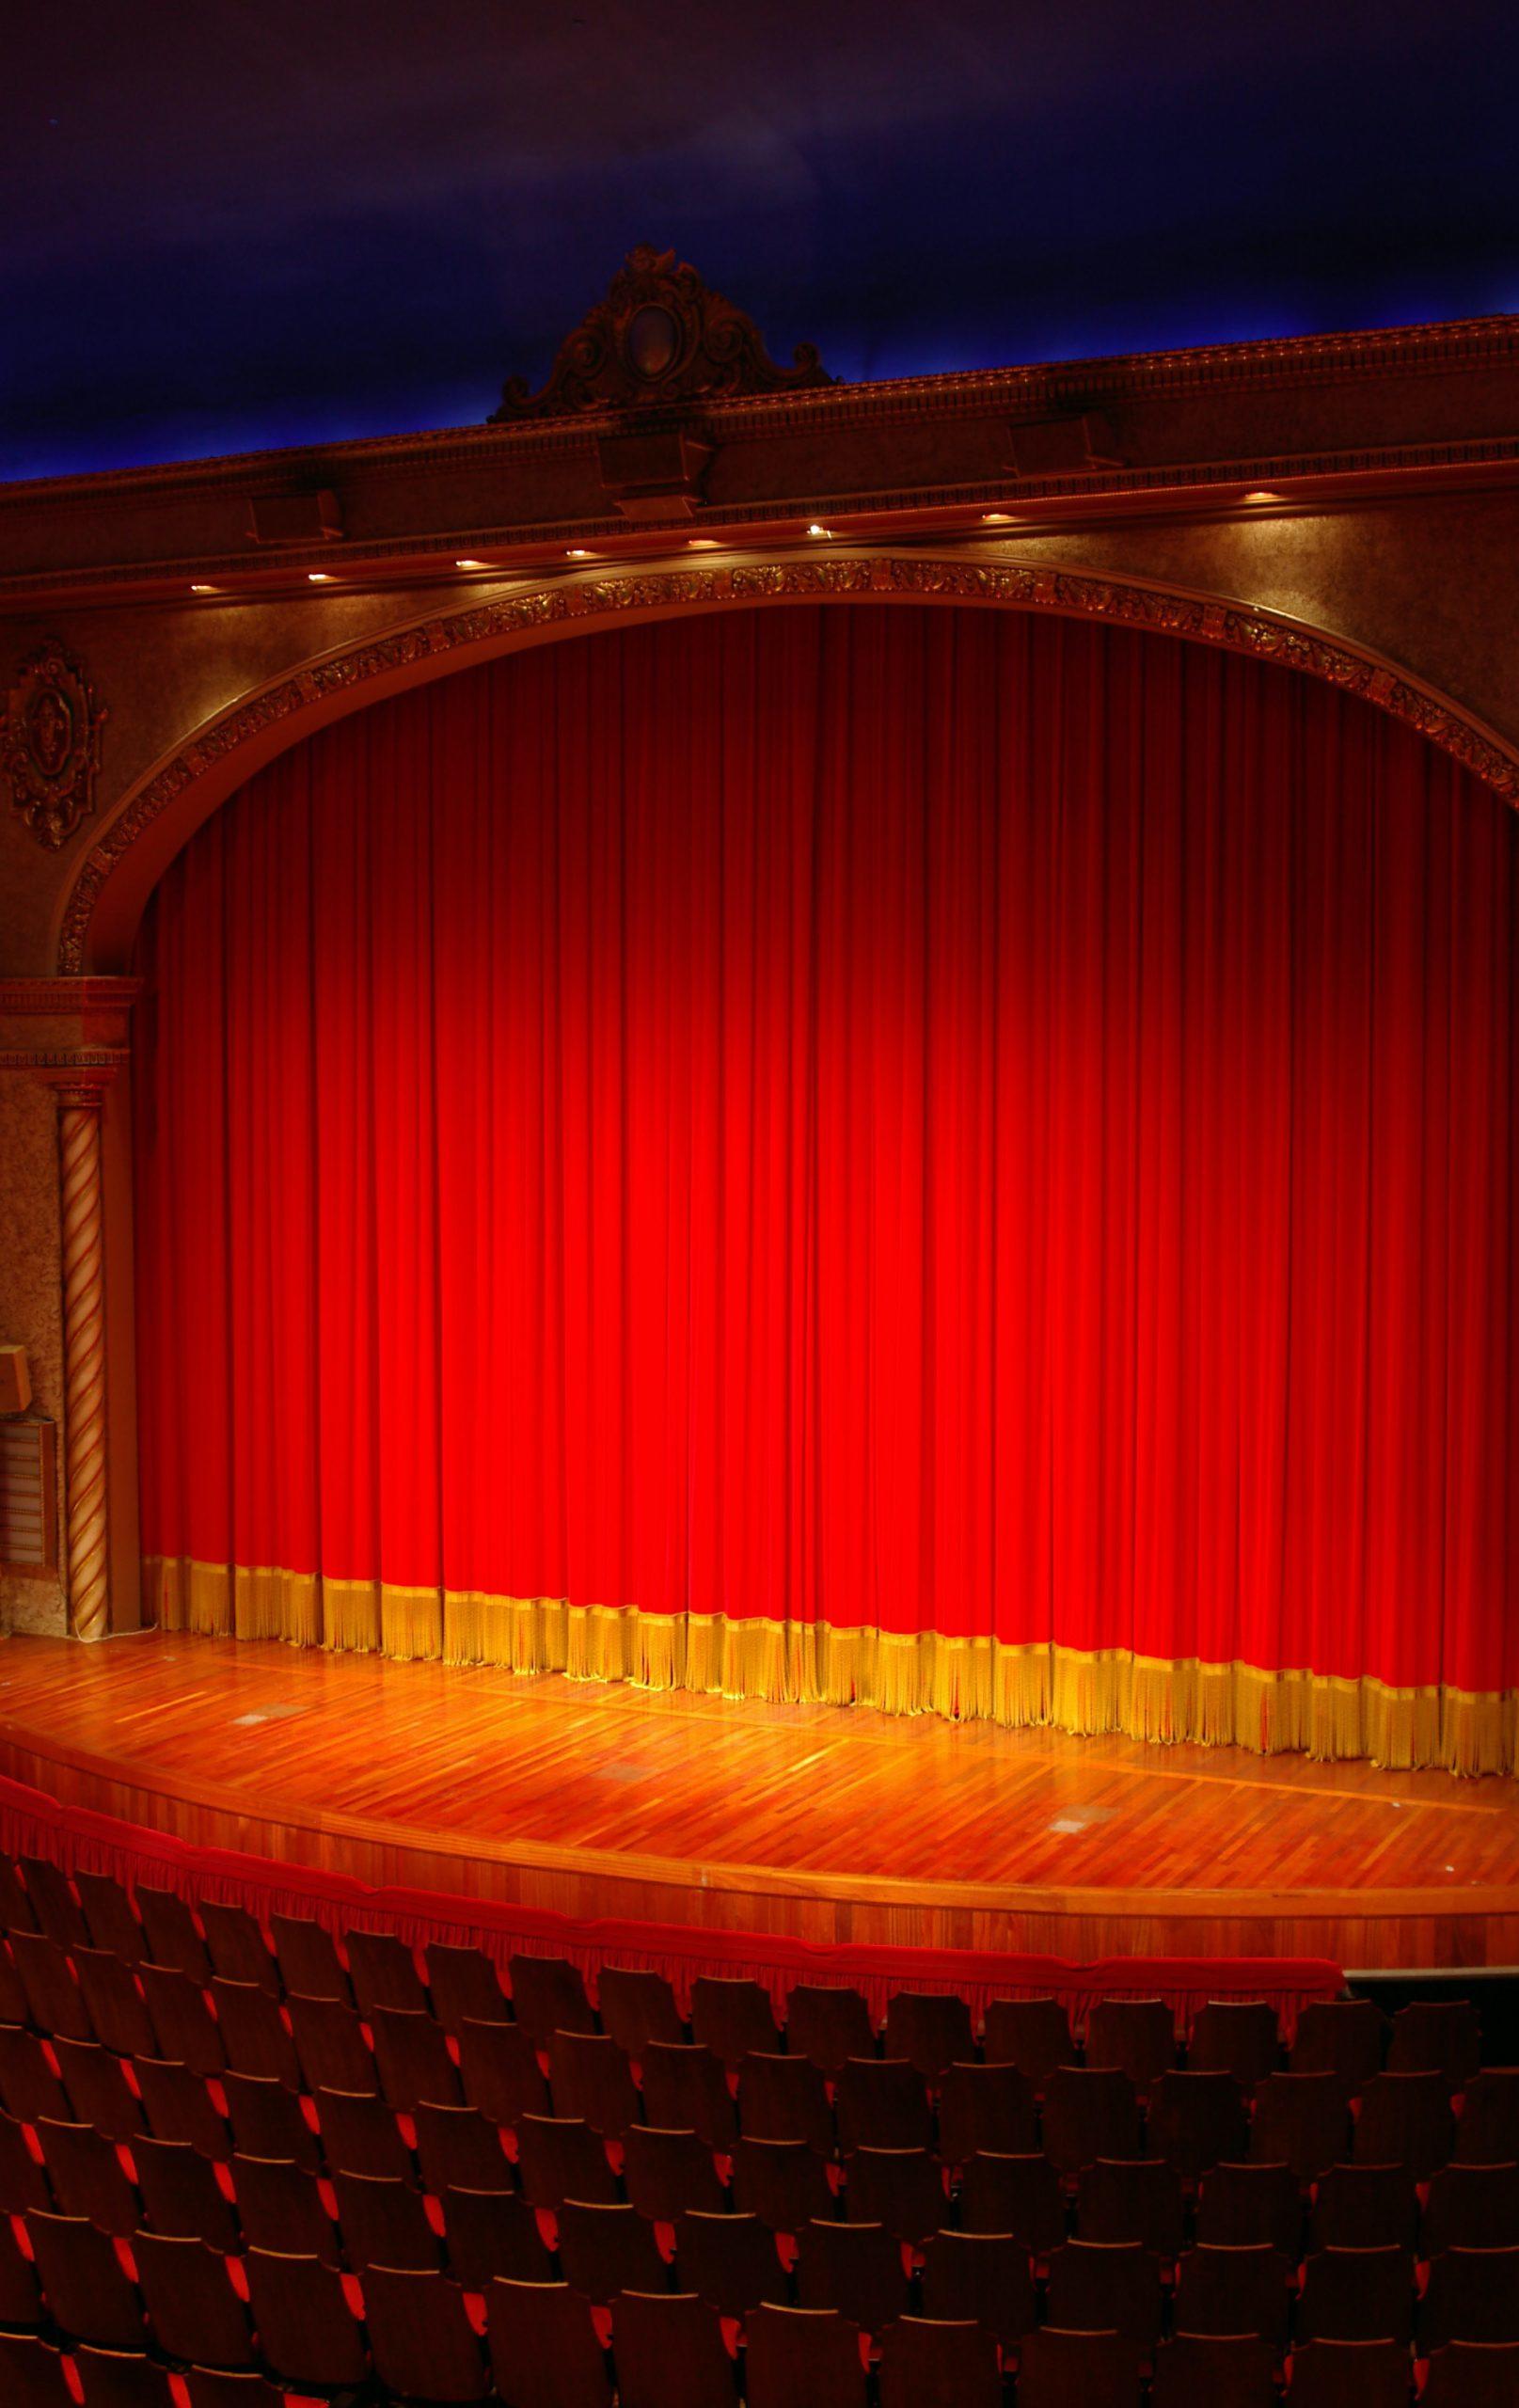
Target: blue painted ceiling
x=249, y=222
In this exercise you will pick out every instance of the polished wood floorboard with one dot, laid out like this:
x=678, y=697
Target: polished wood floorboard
x=826, y=1822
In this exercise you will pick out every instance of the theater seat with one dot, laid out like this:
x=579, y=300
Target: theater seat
x=1473, y=2374
x=666, y=2173
x=307, y=1955
x=1471, y=2295
x=1033, y=2033
x=1233, y=2290
x=930, y=2028
x=492, y=2234
x=686, y=2088
x=880, y=2102
x=97, y=2088
x=638, y=2005
x=1107, y=2286
x=1136, y=2033
x=544, y=2348
x=784, y=2183
x=382, y=1969
x=802, y=2358
x=605, y=2249
x=901, y=2188
x=169, y=1932
x=1406, y=2119
x=1238, y=2036
x=925, y=2364
x=828, y=2024
x=181, y=2196
x=124, y=2379
x=730, y=2260
x=1356, y=2295
x=269, y=2121
x=498, y=2070
x=459, y=2149
x=185, y=2029
x=548, y=1995
x=985, y=2107
x=1250, y=2204
x=1061, y=2369
x=732, y=2017
x=306, y=2330
x=235, y=1944
x=411, y=2056
x=1089, y=2112
x=1364, y=2207
x=669, y=2351
x=423, y=2344
x=465, y=1986
x=589, y=2076
x=982, y=2278
x=1214, y=2370
x=179, y=2107
x=1132, y=2198
x=1344, y=2036
x=561, y=2158
x=1019, y=2195
x=360, y=2135
x=784, y=2099
x=1352, y=2374
x=856, y=2268
x=194, y=2312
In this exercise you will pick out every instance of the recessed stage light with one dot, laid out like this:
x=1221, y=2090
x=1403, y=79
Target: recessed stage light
x=700, y=543
x=318, y=576
x=1261, y=494
x=815, y=529
x=577, y=552
x=202, y=589
x=471, y=563
x=996, y=518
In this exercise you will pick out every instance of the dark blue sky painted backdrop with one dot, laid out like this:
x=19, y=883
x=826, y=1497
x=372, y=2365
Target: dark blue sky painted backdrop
x=249, y=222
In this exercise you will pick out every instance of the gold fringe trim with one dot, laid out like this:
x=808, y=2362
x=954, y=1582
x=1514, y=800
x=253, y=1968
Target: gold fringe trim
x=1079, y=1691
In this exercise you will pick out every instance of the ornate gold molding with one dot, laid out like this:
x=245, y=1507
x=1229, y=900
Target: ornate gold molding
x=570, y=603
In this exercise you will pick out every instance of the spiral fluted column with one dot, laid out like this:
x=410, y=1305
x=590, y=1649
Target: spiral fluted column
x=84, y=1346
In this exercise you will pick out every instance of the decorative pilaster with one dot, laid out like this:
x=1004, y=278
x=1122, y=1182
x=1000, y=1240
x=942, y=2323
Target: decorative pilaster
x=84, y=1348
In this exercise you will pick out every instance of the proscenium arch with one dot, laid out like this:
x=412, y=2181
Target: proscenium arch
x=98, y=922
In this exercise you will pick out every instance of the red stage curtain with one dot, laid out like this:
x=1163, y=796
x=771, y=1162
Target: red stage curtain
x=942, y=1157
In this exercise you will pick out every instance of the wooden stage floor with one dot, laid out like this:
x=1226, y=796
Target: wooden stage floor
x=828, y=1823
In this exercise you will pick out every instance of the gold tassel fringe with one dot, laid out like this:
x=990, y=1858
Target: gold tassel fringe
x=916, y=1672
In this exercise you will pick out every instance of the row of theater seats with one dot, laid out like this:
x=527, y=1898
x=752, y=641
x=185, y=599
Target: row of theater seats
x=250, y=2125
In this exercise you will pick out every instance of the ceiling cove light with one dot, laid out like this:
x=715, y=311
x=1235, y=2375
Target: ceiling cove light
x=826, y=532
x=471, y=563
x=319, y=577
x=202, y=589
x=1261, y=494
x=577, y=552
x=996, y=518
x=702, y=544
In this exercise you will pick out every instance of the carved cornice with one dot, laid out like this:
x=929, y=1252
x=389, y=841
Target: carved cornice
x=91, y=1068
x=840, y=577
x=57, y=998
x=661, y=335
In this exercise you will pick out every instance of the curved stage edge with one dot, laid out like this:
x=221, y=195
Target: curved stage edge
x=825, y=1824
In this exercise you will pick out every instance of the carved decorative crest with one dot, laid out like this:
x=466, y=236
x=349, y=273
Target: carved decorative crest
x=50, y=743
x=661, y=335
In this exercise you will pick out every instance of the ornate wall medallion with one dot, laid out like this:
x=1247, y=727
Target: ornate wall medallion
x=661, y=335
x=50, y=743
